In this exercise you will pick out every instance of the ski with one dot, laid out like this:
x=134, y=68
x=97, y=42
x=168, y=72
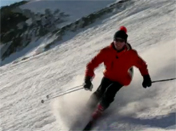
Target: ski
x=89, y=125
x=95, y=115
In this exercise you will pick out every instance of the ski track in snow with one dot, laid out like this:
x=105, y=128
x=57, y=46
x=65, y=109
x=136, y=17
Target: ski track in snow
x=151, y=29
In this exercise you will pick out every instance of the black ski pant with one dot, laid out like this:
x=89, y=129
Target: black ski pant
x=106, y=92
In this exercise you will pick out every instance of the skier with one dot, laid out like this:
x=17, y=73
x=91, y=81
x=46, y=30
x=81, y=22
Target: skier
x=119, y=59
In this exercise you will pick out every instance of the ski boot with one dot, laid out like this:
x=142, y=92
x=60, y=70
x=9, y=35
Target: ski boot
x=98, y=112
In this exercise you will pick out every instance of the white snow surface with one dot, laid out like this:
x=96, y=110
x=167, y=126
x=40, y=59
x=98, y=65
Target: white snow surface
x=151, y=29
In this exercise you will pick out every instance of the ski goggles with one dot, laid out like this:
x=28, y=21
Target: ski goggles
x=119, y=40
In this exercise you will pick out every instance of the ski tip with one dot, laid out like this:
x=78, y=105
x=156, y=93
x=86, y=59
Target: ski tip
x=89, y=125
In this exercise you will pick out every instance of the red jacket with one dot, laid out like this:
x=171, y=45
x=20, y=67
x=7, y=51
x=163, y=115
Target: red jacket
x=117, y=64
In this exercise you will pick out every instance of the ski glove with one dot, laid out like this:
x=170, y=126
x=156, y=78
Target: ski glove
x=87, y=83
x=147, y=81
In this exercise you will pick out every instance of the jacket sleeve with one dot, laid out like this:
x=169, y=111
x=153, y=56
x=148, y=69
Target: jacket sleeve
x=94, y=63
x=140, y=64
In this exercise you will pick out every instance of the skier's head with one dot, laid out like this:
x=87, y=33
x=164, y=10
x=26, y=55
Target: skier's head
x=121, y=34
x=120, y=38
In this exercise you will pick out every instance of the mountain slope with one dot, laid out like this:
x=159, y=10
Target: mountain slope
x=23, y=85
x=75, y=9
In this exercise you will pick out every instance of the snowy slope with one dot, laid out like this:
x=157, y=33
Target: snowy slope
x=75, y=9
x=72, y=7
x=151, y=28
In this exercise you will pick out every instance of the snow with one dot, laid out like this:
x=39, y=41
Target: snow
x=83, y=7
x=36, y=46
x=151, y=29
x=75, y=9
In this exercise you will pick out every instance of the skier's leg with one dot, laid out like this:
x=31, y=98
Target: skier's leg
x=107, y=99
x=109, y=94
x=97, y=95
x=105, y=82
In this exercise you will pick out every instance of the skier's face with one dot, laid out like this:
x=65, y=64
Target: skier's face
x=119, y=43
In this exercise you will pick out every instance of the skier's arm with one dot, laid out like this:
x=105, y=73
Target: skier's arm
x=94, y=63
x=141, y=65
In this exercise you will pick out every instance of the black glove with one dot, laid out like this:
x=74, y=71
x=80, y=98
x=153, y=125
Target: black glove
x=147, y=81
x=87, y=83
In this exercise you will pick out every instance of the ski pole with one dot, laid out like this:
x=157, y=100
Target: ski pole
x=63, y=93
x=163, y=80
x=47, y=96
